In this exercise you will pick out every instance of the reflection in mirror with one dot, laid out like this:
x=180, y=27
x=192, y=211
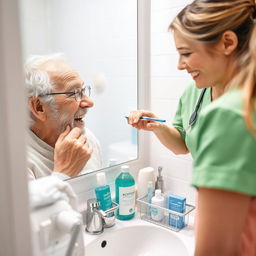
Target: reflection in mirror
x=99, y=40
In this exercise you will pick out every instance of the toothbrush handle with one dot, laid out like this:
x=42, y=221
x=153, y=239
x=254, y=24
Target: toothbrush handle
x=152, y=119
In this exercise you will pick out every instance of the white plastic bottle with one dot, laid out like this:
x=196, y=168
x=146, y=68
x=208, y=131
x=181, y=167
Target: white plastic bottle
x=156, y=213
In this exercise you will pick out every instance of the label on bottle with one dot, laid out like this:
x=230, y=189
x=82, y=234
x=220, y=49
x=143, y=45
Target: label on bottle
x=126, y=200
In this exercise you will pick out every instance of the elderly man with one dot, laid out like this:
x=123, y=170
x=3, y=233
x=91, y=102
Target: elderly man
x=58, y=101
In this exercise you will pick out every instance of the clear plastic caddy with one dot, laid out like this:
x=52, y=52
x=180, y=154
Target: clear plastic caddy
x=145, y=208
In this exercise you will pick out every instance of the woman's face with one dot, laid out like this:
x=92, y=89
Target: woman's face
x=208, y=67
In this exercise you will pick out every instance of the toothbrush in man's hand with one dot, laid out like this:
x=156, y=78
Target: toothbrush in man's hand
x=150, y=119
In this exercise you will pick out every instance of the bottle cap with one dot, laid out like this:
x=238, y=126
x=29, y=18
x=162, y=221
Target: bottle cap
x=158, y=193
x=101, y=179
x=148, y=169
x=125, y=168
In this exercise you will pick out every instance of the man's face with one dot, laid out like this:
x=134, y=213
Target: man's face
x=68, y=110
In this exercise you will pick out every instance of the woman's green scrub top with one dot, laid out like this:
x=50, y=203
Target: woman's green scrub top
x=185, y=108
x=225, y=150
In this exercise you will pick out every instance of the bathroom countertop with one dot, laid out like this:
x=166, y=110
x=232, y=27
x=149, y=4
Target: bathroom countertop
x=186, y=234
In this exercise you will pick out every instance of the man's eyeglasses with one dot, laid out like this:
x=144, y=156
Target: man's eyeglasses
x=78, y=93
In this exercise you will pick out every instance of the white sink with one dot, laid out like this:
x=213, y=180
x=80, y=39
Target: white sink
x=136, y=238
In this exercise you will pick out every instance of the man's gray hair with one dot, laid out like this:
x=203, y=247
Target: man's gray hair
x=37, y=81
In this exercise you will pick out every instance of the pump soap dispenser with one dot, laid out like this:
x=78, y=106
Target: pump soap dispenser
x=159, y=180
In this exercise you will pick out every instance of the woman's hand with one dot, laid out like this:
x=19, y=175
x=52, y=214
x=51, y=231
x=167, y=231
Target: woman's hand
x=168, y=136
x=136, y=122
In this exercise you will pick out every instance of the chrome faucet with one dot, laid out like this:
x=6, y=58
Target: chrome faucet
x=94, y=217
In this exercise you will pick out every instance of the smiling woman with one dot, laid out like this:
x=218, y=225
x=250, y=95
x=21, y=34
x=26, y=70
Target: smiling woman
x=105, y=46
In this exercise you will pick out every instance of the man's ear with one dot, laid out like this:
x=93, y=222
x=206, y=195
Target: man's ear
x=228, y=42
x=37, y=108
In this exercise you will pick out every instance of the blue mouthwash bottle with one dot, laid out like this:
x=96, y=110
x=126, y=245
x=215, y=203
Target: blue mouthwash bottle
x=102, y=192
x=125, y=194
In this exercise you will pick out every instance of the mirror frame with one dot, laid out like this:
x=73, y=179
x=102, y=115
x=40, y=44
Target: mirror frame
x=108, y=66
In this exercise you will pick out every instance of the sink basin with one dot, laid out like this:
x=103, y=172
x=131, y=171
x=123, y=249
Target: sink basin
x=136, y=240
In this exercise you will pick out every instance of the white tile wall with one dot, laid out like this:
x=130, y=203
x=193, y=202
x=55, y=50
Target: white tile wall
x=167, y=85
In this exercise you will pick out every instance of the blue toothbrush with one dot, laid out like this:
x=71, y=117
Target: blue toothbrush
x=150, y=119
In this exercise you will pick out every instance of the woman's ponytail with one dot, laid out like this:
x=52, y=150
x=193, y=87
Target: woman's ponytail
x=247, y=81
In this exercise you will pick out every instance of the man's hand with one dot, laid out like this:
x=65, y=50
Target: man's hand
x=72, y=152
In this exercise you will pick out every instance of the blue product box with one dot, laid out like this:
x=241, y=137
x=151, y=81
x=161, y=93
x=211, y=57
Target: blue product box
x=178, y=204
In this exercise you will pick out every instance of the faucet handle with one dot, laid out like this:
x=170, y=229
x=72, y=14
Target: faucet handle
x=94, y=205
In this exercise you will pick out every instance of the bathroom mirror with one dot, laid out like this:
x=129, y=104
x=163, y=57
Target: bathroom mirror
x=99, y=39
